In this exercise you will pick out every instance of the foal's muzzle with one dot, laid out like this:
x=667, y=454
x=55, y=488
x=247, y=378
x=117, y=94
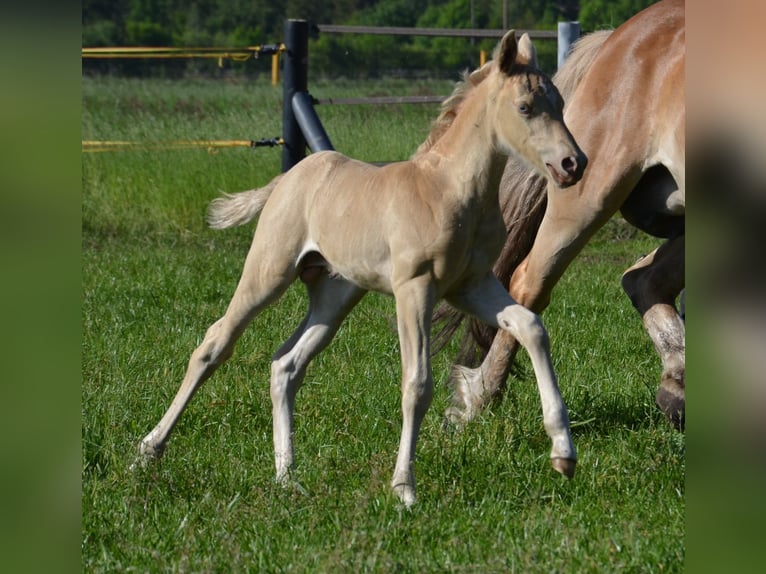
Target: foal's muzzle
x=569, y=171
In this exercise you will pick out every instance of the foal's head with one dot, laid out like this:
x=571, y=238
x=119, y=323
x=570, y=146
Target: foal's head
x=526, y=113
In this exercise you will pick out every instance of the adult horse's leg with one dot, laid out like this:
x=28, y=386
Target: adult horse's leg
x=490, y=302
x=414, y=306
x=330, y=301
x=653, y=284
x=264, y=279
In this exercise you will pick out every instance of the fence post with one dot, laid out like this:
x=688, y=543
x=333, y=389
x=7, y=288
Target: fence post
x=568, y=32
x=295, y=79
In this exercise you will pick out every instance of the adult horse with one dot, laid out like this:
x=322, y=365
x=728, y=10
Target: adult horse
x=625, y=105
x=421, y=230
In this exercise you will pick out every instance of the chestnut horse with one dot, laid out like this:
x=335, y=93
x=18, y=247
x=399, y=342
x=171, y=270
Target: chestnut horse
x=625, y=105
x=421, y=230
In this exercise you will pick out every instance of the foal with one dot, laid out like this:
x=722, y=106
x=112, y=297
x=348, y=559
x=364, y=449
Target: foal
x=421, y=230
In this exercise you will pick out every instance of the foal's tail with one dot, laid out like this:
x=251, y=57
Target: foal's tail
x=523, y=198
x=239, y=208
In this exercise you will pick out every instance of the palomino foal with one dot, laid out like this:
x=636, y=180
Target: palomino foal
x=421, y=230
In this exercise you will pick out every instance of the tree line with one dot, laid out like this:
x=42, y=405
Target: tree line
x=240, y=23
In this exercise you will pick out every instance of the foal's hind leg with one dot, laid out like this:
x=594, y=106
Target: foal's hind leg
x=491, y=303
x=653, y=284
x=263, y=281
x=330, y=300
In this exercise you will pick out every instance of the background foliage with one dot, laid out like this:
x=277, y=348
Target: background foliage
x=239, y=23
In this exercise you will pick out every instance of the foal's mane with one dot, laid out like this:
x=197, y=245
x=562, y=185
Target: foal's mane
x=451, y=106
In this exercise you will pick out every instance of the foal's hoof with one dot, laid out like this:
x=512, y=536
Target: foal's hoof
x=406, y=494
x=565, y=466
x=149, y=451
x=671, y=399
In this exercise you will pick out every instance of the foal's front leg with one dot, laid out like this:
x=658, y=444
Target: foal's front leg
x=414, y=305
x=490, y=302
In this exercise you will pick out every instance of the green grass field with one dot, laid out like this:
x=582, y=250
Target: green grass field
x=154, y=278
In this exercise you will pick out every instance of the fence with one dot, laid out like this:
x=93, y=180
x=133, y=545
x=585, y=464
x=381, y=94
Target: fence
x=301, y=126
x=220, y=54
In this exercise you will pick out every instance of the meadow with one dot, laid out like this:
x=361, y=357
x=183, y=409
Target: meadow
x=154, y=278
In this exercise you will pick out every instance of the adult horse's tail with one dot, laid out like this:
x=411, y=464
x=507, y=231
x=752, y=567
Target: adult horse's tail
x=239, y=208
x=523, y=199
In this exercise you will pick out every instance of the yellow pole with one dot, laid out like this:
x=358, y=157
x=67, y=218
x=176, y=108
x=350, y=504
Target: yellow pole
x=275, y=69
x=482, y=58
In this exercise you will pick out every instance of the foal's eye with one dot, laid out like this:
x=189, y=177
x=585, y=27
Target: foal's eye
x=525, y=109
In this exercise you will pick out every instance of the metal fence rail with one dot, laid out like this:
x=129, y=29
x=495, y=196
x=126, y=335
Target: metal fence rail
x=441, y=32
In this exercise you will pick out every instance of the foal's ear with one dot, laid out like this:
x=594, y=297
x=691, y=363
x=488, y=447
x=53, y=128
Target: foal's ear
x=506, y=51
x=527, y=52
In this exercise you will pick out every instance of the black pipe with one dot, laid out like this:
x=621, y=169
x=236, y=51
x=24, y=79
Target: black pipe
x=310, y=125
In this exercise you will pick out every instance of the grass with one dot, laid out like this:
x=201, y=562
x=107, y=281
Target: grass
x=153, y=280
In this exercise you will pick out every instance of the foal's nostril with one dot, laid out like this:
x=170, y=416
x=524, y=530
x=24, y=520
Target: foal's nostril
x=569, y=165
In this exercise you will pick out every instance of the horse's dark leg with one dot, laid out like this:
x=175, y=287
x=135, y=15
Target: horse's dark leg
x=330, y=301
x=653, y=284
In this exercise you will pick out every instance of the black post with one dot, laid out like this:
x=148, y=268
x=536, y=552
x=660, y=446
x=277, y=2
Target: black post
x=295, y=78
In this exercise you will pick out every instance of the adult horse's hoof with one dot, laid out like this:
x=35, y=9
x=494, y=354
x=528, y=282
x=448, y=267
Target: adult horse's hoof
x=454, y=418
x=565, y=466
x=671, y=399
x=466, y=404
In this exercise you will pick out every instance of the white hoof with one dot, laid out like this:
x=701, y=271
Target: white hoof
x=406, y=494
x=147, y=453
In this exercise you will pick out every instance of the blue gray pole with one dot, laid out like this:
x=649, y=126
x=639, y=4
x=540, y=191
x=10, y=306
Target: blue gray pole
x=568, y=32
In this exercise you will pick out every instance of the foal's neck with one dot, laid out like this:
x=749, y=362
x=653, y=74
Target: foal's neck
x=467, y=150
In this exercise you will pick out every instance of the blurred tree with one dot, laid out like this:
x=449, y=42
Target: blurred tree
x=148, y=23
x=600, y=14
x=239, y=23
x=103, y=22
x=568, y=10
